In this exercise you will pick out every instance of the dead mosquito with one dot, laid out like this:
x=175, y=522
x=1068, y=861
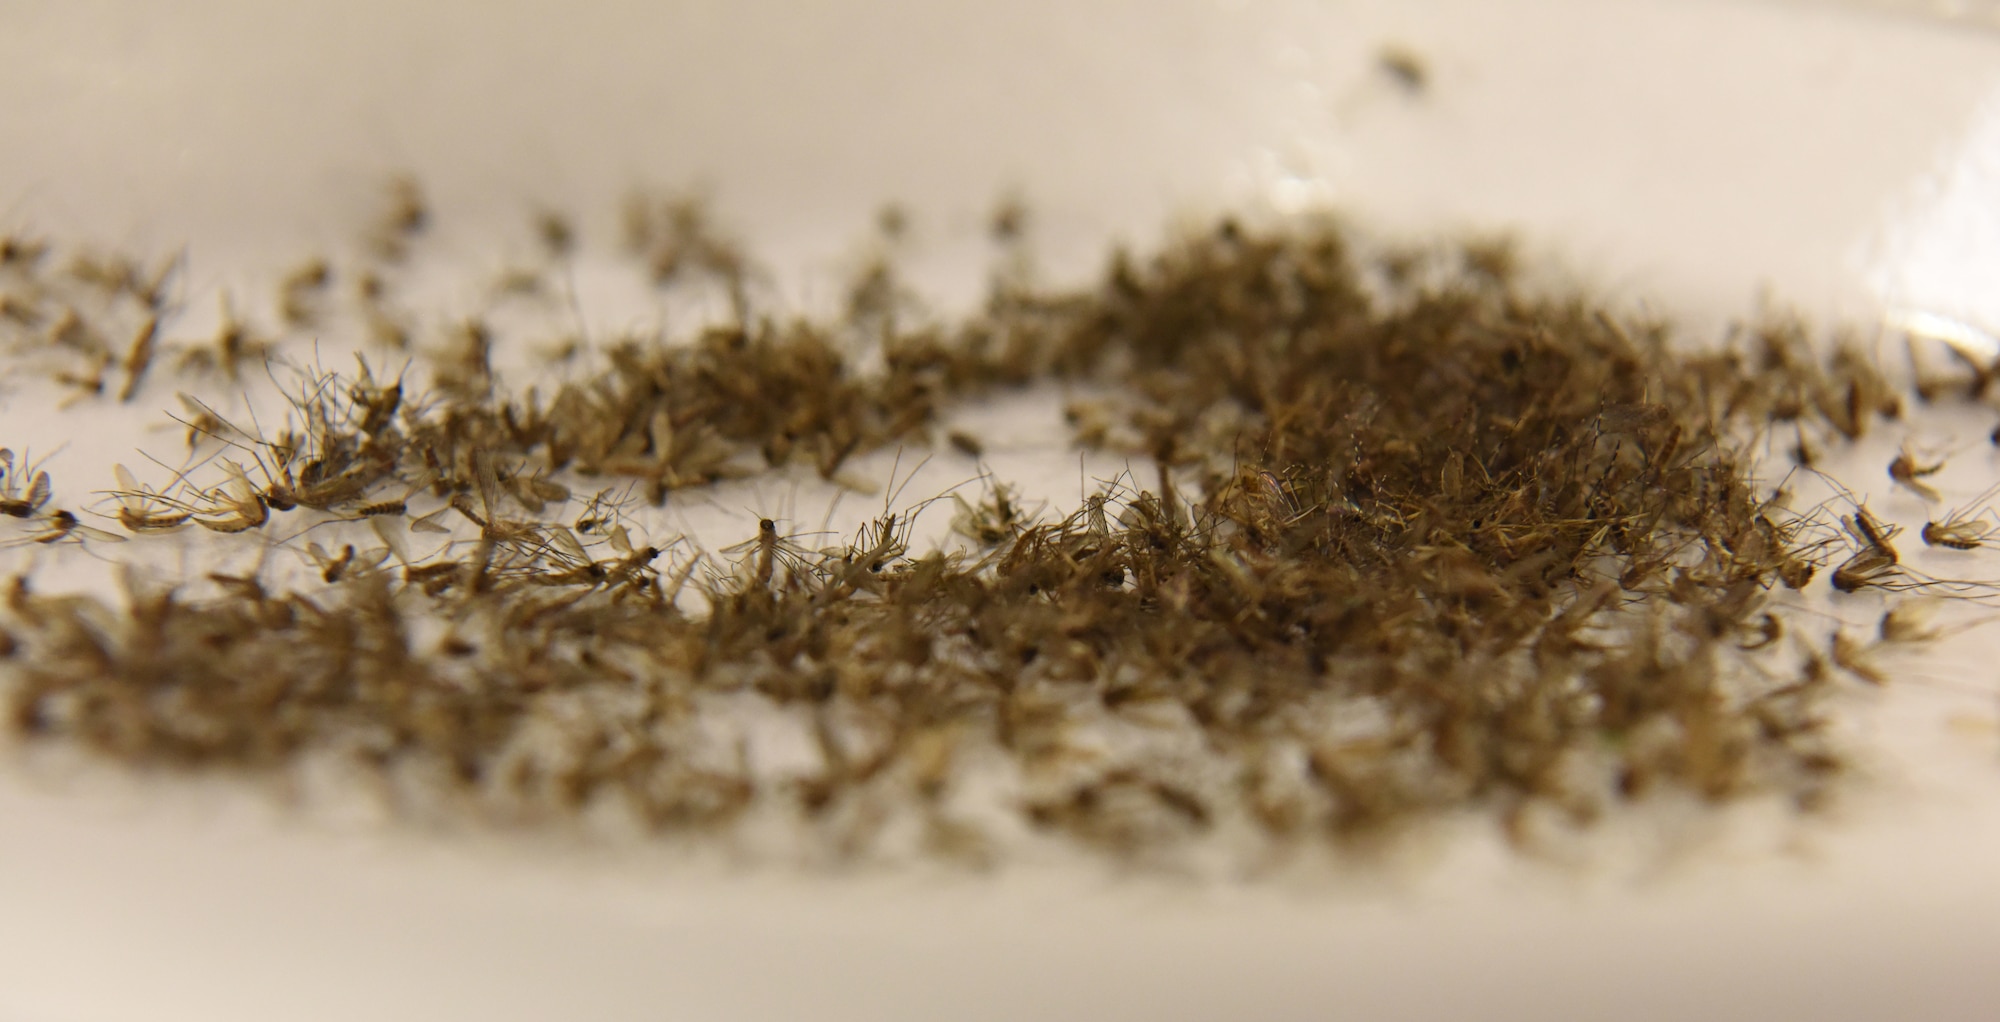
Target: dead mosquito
x=1965, y=528
x=1908, y=472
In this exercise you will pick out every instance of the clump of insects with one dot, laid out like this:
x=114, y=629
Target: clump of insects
x=1875, y=559
x=1415, y=539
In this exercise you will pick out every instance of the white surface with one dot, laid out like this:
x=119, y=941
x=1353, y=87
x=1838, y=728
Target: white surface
x=1686, y=153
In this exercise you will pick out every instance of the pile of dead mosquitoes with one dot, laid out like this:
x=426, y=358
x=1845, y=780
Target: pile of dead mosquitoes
x=1409, y=539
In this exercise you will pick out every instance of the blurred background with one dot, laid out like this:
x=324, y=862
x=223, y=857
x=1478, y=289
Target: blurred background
x=1788, y=143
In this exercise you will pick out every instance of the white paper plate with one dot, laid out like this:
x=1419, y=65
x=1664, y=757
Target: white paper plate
x=1689, y=153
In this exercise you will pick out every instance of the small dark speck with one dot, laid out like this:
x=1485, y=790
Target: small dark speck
x=1404, y=67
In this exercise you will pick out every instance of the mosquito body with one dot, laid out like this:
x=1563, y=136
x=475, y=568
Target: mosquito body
x=1966, y=528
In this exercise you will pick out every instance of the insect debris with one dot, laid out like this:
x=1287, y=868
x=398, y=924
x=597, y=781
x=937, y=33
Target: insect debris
x=1404, y=67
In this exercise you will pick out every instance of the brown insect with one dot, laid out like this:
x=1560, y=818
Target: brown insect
x=59, y=525
x=232, y=347
x=1909, y=473
x=767, y=551
x=1874, y=560
x=966, y=444
x=88, y=381
x=556, y=233
x=1855, y=658
x=534, y=492
x=994, y=520
x=18, y=253
x=334, y=478
x=201, y=421
x=1965, y=527
x=24, y=487
x=405, y=216
x=631, y=568
x=400, y=506
x=299, y=293
x=1907, y=623
x=235, y=506
x=1404, y=67
x=600, y=513
x=139, y=358
x=1008, y=222
x=21, y=310
x=333, y=569
x=142, y=510
x=395, y=508
x=377, y=404
x=1769, y=628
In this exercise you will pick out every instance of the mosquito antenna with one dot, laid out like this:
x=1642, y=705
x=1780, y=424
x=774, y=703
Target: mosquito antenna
x=826, y=523
x=897, y=494
x=567, y=270
x=891, y=491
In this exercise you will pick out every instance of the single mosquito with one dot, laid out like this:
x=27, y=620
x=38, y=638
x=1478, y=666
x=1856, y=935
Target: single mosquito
x=142, y=510
x=1908, y=472
x=59, y=525
x=235, y=506
x=24, y=487
x=1966, y=528
x=348, y=562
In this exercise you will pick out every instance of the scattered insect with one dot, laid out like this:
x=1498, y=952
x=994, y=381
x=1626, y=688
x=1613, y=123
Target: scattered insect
x=1404, y=67
x=600, y=513
x=1907, y=623
x=399, y=506
x=1874, y=559
x=534, y=492
x=139, y=358
x=1768, y=629
x=232, y=348
x=142, y=510
x=1008, y=222
x=333, y=569
x=19, y=499
x=767, y=551
x=236, y=506
x=1856, y=659
x=404, y=217
x=299, y=293
x=993, y=521
x=966, y=444
x=59, y=525
x=21, y=253
x=556, y=233
x=1964, y=528
x=1909, y=473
